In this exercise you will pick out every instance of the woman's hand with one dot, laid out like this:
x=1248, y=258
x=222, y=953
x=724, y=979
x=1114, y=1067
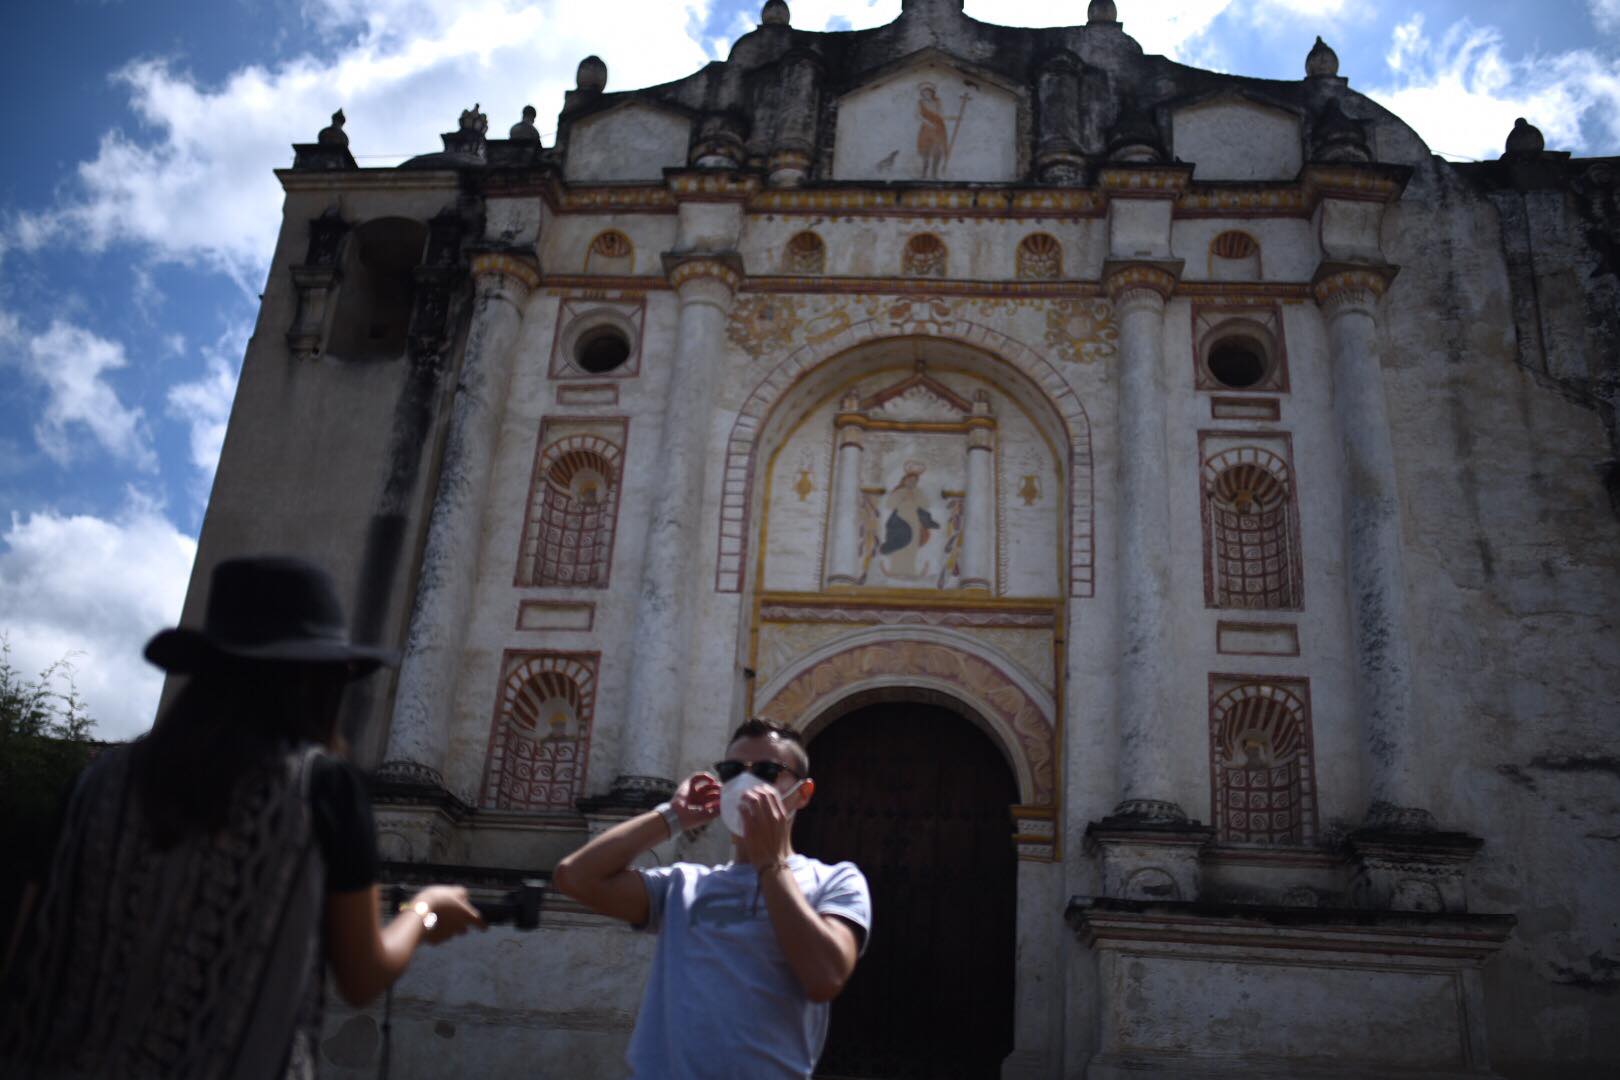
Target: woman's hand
x=453, y=912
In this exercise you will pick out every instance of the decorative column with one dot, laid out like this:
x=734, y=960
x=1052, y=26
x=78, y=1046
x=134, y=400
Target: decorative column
x=794, y=153
x=705, y=286
x=979, y=515
x=419, y=736
x=1058, y=159
x=1372, y=514
x=844, y=550
x=1139, y=292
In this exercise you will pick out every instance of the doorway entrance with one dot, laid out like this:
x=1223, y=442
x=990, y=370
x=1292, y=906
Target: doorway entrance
x=918, y=798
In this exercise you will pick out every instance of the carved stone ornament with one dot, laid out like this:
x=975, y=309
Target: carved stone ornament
x=720, y=270
x=313, y=282
x=1336, y=137
x=1525, y=140
x=1350, y=289
x=630, y=795
x=1322, y=62
x=1130, y=278
x=499, y=264
x=524, y=130
x=329, y=151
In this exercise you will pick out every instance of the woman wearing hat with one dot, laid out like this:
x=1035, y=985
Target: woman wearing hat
x=208, y=872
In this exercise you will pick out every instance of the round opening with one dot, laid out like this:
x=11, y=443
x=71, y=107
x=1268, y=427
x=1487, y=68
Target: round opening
x=1237, y=362
x=602, y=349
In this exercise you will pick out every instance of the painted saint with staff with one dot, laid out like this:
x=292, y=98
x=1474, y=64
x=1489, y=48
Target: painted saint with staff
x=935, y=139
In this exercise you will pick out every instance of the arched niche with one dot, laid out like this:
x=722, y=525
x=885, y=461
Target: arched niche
x=378, y=286
x=905, y=333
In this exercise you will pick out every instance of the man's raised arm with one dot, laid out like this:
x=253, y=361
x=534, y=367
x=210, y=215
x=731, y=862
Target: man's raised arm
x=599, y=875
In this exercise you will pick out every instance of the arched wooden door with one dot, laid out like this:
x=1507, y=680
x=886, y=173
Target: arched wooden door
x=918, y=798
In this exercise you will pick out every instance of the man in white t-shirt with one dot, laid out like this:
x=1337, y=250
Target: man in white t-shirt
x=751, y=953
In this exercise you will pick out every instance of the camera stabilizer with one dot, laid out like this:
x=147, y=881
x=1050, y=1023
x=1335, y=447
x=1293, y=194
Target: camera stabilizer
x=519, y=906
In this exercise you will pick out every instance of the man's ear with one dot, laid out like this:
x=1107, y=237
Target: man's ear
x=806, y=789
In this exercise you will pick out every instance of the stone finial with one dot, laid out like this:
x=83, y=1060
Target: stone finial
x=1102, y=11
x=1322, y=62
x=592, y=75
x=775, y=13
x=334, y=135
x=524, y=130
x=1525, y=140
x=473, y=121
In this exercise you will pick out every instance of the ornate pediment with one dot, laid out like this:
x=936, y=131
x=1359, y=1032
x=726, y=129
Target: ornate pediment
x=918, y=399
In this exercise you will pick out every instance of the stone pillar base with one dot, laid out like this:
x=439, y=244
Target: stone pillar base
x=1398, y=870
x=1227, y=990
x=629, y=796
x=416, y=814
x=1146, y=859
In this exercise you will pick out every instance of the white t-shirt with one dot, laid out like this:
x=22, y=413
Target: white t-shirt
x=721, y=1000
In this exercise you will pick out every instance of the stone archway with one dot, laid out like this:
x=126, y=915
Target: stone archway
x=1015, y=712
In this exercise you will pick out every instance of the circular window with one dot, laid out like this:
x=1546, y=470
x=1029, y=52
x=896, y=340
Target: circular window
x=602, y=349
x=1237, y=362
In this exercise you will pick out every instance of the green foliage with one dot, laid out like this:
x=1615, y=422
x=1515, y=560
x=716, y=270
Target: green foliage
x=44, y=744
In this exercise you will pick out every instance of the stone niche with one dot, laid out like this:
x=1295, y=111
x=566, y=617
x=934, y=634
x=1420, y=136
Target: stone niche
x=633, y=141
x=929, y=121
x=1235, y=139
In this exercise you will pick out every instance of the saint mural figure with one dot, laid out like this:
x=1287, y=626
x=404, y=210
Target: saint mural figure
x=908, y=526
x=933, y=140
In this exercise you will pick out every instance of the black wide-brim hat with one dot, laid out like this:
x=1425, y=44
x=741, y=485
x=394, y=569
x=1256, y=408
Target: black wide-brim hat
x=273, y=609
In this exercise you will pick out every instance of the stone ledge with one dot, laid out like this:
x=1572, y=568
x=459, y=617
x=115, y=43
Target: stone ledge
x=1102, y=921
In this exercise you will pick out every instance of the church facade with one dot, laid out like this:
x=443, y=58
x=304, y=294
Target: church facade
x=1180, y=512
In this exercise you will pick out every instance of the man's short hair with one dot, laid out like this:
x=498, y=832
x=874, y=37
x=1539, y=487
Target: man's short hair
x=758, y=728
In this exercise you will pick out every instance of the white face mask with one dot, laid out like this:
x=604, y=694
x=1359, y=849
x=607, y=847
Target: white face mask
x=731, y=793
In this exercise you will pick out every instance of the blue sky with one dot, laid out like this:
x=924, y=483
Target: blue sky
x=138, y=210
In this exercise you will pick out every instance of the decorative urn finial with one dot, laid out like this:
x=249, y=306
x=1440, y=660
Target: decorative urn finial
x=592, y=75
x=1525, y=140
x=1102, y=11
x=334, y=135
x=775, y=13
x=1322, y=62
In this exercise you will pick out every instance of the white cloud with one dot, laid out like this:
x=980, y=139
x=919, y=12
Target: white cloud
x=71, y=363
x=93, y=590
x=1462, y=94
x=194, y=182
x=205, y=404
x=1606, y=15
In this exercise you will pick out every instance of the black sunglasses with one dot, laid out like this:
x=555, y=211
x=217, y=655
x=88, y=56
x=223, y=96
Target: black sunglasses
x=767, y=771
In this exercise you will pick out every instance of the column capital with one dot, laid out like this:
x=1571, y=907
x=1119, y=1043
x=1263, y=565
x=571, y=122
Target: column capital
x=1123, y=278
x=1340, y=288
x=490, y=268
x=705, y=278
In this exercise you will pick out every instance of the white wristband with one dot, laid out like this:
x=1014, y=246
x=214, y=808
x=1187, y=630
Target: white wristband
x=667, y=812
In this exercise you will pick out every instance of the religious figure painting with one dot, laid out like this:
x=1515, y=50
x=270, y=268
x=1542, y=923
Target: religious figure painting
x=936, y=131
x=912, y=522
x=933, y=122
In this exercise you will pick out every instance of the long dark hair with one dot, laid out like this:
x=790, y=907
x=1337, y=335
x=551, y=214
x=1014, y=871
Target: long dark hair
x=227, y=723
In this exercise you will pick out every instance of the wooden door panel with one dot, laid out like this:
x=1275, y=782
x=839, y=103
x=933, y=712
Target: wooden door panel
x=918, y=798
